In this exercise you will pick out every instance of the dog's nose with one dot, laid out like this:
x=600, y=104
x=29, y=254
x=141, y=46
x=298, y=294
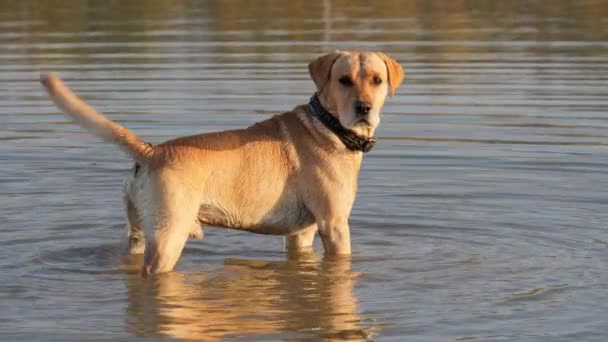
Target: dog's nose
x=362, y=107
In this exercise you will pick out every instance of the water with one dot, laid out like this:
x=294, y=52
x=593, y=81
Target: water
x=481, y=214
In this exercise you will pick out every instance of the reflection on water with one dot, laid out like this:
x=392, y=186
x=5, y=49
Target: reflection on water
x=481, y=213
x=295, y=300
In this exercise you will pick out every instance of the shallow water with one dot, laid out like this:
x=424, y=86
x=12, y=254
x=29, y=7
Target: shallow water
x=481, y=214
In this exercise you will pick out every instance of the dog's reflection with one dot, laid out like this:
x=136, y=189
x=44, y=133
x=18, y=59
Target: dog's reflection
x=293, y=300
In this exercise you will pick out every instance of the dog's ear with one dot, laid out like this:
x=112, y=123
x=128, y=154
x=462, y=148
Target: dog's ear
x=395, y=72
x=320, y=69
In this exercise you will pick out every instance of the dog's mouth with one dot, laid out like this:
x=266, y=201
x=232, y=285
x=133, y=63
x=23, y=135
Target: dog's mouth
x=362, y=127
x=361, y=122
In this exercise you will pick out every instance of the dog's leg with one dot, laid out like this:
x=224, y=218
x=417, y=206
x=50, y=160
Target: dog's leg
x=301, y=242
x=335, y=235
x=174, y=218
x=331, y=214
x=165, y=247
x=136, y=240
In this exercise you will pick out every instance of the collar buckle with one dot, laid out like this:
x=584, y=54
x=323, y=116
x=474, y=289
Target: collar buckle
x=368, y=144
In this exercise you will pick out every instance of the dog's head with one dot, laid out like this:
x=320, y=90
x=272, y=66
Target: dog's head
x=353, y=86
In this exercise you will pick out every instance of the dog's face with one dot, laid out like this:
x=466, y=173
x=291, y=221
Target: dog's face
x=354, y=85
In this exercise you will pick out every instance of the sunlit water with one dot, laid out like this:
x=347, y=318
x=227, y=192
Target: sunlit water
x=481, y=214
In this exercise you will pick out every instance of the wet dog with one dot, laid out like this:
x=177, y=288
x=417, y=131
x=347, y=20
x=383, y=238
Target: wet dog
x=292, y=175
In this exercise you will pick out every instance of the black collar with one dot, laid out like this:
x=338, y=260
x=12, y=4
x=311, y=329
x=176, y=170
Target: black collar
x=351, y=140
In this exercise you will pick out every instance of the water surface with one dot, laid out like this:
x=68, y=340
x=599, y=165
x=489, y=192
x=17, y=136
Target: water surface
x=481, y=214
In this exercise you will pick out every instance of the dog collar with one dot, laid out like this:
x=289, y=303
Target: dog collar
x=350, y=139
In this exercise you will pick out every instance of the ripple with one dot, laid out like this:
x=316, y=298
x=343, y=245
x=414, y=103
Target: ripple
x=95, y=259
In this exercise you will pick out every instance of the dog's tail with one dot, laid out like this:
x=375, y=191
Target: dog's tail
x=87, y=117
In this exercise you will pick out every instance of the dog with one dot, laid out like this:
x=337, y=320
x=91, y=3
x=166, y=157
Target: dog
x=292, y=175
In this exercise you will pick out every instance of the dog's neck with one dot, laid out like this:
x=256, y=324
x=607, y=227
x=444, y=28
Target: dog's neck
x=354, y=141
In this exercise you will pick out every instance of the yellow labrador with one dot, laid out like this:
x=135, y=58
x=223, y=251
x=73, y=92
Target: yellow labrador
x=290, y=175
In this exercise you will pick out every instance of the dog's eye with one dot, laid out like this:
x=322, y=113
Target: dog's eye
x=346, y=81
x=377, y=80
